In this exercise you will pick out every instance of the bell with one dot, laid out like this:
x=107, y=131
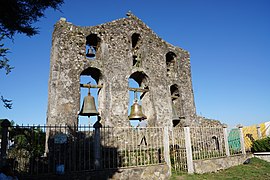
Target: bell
x=89, y=106
x=90, y=53
x=175, y=117
x=136, y=111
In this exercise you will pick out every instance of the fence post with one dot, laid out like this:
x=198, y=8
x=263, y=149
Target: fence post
x=242, y=141
x=167, y=148
x=4, y=141
x=97, y=157
x=226, y=139
x=259, y=131
x=188, y=149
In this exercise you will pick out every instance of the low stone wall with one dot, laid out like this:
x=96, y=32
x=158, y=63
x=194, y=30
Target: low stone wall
x=213, y=165
x=158, y=172
x=153, y=172
x=263, y=155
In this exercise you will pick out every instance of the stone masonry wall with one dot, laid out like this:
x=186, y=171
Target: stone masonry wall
x=213, y=165
x=155, y=64
x=153, y=172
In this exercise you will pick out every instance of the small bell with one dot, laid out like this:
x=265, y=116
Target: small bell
x=89, y=106
x=90, y=52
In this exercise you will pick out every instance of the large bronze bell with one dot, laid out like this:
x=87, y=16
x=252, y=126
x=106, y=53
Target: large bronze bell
x=89, y=106
x=90, y=53
x=136, y=111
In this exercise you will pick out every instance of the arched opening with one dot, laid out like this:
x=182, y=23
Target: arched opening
x=216, y=142
x=137, y=84
x=141, y=78
x=89, y=76
x=177, y=107
x=92, y=46
x=135, y=38
x=174, y=90
x=171, y=63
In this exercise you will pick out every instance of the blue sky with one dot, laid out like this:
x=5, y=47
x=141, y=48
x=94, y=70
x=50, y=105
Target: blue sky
x=229, y=43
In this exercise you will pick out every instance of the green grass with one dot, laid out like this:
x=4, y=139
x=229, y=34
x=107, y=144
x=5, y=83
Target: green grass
x=257, y=169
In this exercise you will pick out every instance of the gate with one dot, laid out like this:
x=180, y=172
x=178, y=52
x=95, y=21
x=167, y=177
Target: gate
x=178, y=152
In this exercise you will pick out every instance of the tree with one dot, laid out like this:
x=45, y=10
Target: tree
x=4, y=61
x=18, y=16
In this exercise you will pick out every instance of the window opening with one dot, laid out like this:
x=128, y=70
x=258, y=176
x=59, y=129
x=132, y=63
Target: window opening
x=137, y=90
x=85, y=120
x=89, y=76
x=135, y=39
x=175, y=105
x=170, y=62
x=132, y=96
x=92, y=45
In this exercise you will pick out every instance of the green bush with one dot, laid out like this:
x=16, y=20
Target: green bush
x=261, y=145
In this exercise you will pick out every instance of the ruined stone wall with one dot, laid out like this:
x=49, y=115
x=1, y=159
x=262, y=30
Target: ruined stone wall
x=206, y=122
x=124, y=48
x=153, y=172
x=216, y=164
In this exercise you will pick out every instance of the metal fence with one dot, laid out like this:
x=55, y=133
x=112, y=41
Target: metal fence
x=207, y=142
x=178, y=154
x=82, y=148
x=60, y=148
x=132, y=146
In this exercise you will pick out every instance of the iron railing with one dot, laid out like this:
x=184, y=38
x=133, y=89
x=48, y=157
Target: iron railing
x=207, y=142
x=57, y=149
x=178, y=154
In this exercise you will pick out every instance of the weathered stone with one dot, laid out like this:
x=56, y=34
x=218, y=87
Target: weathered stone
x=213, y=165
x=124, y=48
x=206, y=122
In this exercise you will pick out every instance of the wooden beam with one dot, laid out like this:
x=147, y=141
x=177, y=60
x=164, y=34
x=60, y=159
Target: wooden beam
x=138, y=89
x=91, y=86
x=175, y=97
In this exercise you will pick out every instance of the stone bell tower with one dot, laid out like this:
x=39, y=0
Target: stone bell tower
x=120, y=50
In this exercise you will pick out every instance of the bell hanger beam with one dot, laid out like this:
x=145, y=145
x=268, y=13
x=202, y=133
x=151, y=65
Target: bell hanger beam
x=138, y=89
x=143, y=90
x=174, y=97
x=91, y=86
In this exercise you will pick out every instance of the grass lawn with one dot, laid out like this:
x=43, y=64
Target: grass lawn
x=255, y=170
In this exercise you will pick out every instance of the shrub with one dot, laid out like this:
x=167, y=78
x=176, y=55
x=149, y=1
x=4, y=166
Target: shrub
x=261, y=145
